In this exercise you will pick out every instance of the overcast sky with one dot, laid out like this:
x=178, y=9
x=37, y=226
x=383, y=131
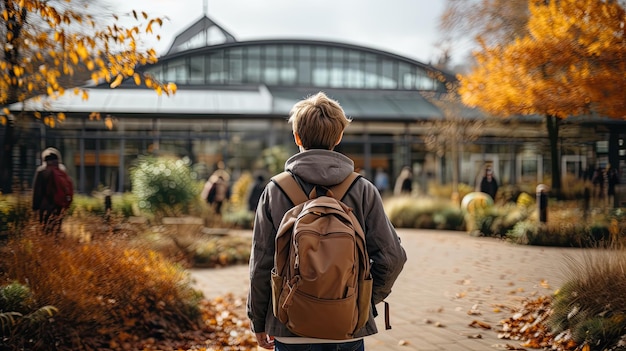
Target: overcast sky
x=405, y=27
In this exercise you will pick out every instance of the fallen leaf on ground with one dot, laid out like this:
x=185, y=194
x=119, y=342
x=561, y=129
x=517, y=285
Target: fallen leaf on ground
x=474, y=311
x=479, y=324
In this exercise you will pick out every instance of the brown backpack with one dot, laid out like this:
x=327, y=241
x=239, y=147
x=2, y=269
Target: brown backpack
x=321, y=281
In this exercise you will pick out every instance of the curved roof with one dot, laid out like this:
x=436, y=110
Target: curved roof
x=302, y=63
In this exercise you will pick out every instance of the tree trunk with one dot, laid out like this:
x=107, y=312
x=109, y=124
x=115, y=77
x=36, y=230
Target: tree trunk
x=13, y=25
x=6, y=164
x=454, y=148
x=552, y=123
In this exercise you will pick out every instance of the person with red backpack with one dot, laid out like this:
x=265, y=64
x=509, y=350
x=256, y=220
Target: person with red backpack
x=53, y=191
x=284, y=320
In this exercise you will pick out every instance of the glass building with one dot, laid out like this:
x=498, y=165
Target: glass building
x=233, y=100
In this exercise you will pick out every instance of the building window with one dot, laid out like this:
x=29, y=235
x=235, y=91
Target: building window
x=303, y=59
x=424, y=83
x=371, y=72
x=354, y=77
x=320, y=67
x=252, y=68
x=156, y=72
x=217, y=71
x=196, y=70
x=287, y=64
x=389, y=75
x=336, y=63
x=176, y=71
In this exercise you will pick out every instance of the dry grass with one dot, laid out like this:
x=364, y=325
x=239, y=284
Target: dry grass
x=103, y=289
x=592, y=302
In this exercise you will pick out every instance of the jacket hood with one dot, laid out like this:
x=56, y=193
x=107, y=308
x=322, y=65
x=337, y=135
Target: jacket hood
x=50, y=151
x=321, y=167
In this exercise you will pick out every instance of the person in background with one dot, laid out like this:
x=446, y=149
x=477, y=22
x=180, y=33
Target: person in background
x=255, y=192
x=381, y=180
x=489, y=184
x=404, y=182
x=598, y=182
x=49, y=213
x=612, y=175
x=217, y=188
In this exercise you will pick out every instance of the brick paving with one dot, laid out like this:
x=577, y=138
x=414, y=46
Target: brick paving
x=447, y=275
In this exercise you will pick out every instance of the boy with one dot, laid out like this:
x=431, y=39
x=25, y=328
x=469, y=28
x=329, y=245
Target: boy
x=318, y=124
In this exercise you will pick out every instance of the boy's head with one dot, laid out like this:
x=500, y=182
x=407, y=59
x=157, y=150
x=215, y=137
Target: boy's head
x=318, y=122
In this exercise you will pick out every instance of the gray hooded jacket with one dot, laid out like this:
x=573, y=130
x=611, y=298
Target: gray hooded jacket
x=327, y=168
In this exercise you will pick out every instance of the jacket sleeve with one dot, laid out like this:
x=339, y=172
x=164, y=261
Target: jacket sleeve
x=261, y=264
x=383, y=244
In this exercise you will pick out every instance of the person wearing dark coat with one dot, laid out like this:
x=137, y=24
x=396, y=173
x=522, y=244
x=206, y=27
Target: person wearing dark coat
x=489, y=184
x=49, y=213
x=255, y=193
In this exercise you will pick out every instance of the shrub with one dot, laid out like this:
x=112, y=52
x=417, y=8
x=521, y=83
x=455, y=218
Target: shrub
x=524, y=232
x=592, y=302
x=238, y=214
x=103, y=289
x=424, y=212
x=241, y=218
x=20, y=319
x=15, y=210
x=274, y=158
x=195, y=246
x=123, y=205
x=449, y=218
x=164, y=185
x=239, y=192
x=221, y=251
x=568, y=229
x=573, y=187
x=84, y=204
x=499, y=220
x=444, y=191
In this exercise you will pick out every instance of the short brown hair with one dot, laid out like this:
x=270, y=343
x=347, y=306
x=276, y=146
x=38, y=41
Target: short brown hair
x=319, y=121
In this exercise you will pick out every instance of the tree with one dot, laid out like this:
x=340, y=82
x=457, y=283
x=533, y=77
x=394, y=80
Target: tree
x=46, y=42
x=459, y=125
x=496, y=22
x=571, y=62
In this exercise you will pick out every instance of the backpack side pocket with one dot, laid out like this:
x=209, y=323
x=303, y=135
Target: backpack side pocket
x=277, y=286
x=364, y=301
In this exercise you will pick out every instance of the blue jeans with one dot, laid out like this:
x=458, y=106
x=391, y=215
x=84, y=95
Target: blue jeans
x=345, y=346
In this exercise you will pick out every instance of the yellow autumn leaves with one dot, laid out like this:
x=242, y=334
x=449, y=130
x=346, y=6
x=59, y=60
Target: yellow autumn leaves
x=572, y=61
x=36, y=57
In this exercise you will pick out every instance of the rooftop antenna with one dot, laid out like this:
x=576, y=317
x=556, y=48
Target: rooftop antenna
x=205, y=10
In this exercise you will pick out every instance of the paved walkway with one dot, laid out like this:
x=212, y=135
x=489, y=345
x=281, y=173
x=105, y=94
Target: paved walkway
x=447, y=275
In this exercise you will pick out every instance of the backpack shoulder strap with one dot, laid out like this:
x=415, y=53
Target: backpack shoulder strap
x=340, y=190
x=290, y=187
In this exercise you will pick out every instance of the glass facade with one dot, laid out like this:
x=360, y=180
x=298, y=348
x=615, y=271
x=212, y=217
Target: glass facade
x=295, y=64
